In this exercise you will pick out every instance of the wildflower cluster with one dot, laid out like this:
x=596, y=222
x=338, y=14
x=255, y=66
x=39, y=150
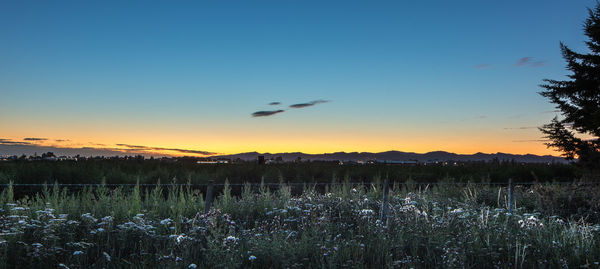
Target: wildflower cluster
x=339, y=228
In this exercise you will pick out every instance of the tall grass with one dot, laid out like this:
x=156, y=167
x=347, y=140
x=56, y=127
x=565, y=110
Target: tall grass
x=429, y=226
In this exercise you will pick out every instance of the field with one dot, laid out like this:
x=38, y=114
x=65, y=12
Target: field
x=119, y=171
x=443, y=225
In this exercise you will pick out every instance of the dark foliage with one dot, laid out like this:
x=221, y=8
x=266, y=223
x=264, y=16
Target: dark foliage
x=151, y=171
x=577, y=135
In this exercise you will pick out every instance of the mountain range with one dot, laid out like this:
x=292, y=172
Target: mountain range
x=398, y=156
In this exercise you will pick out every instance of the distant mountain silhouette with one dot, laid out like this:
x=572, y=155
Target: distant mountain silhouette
x=290, y=156
x=399, y=156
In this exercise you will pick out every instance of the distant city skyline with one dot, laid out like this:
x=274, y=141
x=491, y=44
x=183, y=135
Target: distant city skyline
x=203, y=79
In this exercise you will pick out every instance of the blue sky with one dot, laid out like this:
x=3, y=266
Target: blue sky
x=186, y=73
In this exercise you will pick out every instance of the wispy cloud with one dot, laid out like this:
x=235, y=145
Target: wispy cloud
x=34, y=139
x=135, y=148
x=95, y=149
x=538, y=64
x=97, y=144
x=201, y=152
x=4, y=141
x=62, y=140
x=132, y=146
x=482, y=66
x=523, y=61
x=517, y=116
x=476, y=117
x=551, y=111
x=528, y=61
x=266, y=113
x=530, y=140
x=311, y=103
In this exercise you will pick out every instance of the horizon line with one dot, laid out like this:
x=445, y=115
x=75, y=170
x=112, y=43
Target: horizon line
x=125, y=151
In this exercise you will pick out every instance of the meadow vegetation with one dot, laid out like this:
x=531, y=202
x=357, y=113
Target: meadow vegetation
x=441, y=226
x=183, y=170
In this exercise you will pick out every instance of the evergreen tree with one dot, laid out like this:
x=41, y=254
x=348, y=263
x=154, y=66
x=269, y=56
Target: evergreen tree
x=577, y=134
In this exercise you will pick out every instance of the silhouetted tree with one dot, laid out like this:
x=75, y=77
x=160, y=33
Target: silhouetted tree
x=577, y=134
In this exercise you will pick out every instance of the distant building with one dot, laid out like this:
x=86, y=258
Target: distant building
x=397, y=162
x=207, y=162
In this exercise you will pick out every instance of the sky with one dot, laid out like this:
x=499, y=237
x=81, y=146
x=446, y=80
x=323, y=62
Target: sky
x=206, y=77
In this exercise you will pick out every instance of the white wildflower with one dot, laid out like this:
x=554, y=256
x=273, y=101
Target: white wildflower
x=367, y=212
x=180, y=239
x=89, y=217
x=231, y=238
x=456, y=211
x=530, y=222
x=251, y=258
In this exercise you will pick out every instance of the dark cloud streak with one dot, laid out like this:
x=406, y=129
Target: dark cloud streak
x=531, y=140
x=133, y=148
x=312, y=103
x=274, y=103
x=266, y=113
x=528, y=61
x=34, y=139
x=520, y=128
x=4, y=141
x=523, y=61
x=10, y=145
